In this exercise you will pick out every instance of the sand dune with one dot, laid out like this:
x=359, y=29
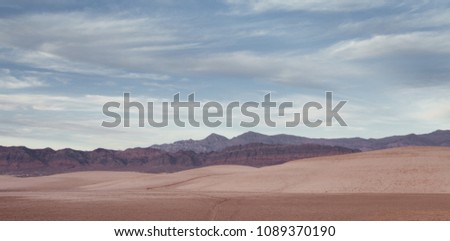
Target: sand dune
x=403, y=170
x=410, y=175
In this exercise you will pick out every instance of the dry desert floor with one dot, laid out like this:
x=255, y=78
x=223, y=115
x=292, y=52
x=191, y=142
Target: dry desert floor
x=410, y=183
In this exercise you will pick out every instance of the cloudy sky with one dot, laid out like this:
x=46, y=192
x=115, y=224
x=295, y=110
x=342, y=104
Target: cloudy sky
x=61, y=60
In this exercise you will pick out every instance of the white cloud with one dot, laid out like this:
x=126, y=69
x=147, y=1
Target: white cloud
x=258, y=6
x=144, y=76
x=391, y=45
x=309, y=70
x=8, y=81
x=399, y=23
x=42, y=102
x=419, y=105
x=129, y=47
x=85, y=43
x=81, y=103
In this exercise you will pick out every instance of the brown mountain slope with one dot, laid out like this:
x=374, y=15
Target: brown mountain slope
x=29, y=162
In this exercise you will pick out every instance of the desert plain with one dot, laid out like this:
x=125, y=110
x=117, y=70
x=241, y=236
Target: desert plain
x=407, y=183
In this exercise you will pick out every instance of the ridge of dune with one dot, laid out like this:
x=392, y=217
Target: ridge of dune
x=166, y=180
x=112, y=180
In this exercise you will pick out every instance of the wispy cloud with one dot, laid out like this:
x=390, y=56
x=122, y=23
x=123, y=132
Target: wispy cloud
x=428, y=19
x=85, y=43
x=259, y=6
x=414, y=43
x=8, y=81
x=41, y=102
x=312, y=70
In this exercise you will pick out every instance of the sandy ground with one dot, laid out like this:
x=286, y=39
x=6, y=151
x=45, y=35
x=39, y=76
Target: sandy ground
x=396, y=184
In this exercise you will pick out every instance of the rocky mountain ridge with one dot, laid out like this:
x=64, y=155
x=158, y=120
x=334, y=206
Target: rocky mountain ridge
x=216, y=142
x=23, y=161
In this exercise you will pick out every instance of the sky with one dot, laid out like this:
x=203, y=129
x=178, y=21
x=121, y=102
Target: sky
x=62, y=60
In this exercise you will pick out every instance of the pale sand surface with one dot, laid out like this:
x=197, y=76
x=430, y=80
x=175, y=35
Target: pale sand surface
x=410, y=183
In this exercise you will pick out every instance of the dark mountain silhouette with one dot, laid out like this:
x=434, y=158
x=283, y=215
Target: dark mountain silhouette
x=216, y=142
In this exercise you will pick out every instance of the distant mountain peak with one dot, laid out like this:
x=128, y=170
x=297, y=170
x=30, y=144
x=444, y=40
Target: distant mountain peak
x=252, y=133
x=215, y=137
x=439, y=131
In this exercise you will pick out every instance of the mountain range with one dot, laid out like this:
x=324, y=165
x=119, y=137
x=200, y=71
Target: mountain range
x=216, y=142
x=251, y=149
x=23, y=161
